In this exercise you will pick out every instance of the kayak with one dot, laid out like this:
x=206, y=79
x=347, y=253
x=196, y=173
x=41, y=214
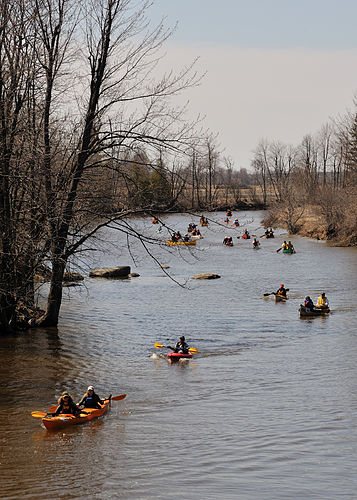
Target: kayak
x=246, y=237
x=65, y=420
x=316, y=311
x=176, y=356
x=280, y=298
x=196, y=236
x=185, y=243
x=287, y=250
x=204, y=224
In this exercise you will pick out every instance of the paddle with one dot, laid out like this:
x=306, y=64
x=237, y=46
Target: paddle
x=158, y=346
x=279, y=249
x=113, y=398
x=274, y=293
x=42, y=414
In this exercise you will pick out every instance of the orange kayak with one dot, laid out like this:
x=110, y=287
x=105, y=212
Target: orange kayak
x=64, y=420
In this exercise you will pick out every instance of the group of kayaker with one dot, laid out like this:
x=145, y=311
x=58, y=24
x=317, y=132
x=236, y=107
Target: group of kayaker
x=322, y=302
x=66, y=405
x=288, y=246
x=269, y=233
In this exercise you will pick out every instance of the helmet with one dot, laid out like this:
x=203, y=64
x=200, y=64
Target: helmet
x=282, y=286
x=182, y=338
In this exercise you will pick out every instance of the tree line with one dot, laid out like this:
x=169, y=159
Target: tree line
x=90, y=135
x=319, y=176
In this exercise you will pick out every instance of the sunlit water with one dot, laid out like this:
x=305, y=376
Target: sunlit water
x=266, y=410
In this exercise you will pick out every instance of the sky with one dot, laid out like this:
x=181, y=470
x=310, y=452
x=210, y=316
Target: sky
x=275, y=69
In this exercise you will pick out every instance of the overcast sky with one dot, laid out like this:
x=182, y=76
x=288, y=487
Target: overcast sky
x=276, y=69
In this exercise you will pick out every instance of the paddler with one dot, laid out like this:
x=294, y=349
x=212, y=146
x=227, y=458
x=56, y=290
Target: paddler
x=90, y=399
x=181, y=346
x=291, y=247
x=66, y=405
x=308, y=303
x=322, y=301
x=282, y=291
x=285, y=246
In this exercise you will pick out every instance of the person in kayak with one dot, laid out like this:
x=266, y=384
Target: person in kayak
x=181, y=346
x=66, y=405
x=308, y=303
x=291, y=246
x=284, y=245
x=90, y=399
x=282, y=291
x=322, y=301
x=256, y=243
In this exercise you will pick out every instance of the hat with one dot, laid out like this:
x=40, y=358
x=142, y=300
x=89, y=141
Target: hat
x=90, y=388
x=64, y=394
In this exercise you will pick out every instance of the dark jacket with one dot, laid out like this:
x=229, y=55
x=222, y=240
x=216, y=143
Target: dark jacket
x=71, y=408
x=181, y=347
x=281, y=291
x=93, y=401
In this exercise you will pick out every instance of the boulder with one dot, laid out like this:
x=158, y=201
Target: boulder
x=206, y=276
x=110, y=272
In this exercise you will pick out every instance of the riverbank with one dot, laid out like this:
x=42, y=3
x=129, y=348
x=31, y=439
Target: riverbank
x=309, y=221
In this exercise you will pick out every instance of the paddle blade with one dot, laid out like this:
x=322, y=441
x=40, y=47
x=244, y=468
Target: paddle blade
x=38, y=414
x=193, y=349
x=52, y=408
x=157, y=345
x=118, y=398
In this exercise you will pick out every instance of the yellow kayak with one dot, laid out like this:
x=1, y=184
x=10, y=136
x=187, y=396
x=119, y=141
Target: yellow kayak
x=185, y=243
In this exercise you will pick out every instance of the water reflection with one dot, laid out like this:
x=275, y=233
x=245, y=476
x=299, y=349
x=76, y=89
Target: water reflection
x=267, y=397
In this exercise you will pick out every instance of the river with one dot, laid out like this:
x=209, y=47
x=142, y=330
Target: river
x=266, y=410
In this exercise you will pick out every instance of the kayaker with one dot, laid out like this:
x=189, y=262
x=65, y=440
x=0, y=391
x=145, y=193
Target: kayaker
x=322, y=301
x=90, y=399
x=66, y=405
x=291, y=247
x=256, y=243
x=284, y=246
x=282, y=291
x=308, y=303
x=181, y=346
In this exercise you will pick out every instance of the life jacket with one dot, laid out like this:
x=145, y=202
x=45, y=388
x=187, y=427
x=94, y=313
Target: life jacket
x=322, y=301
x=68, y=409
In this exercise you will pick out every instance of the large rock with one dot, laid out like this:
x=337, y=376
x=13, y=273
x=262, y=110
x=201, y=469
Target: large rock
x=206, y=276
x=110, y=272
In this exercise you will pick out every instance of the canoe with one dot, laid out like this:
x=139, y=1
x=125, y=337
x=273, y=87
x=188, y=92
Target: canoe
x=196, y=236
x=184, y=243
x=203, y=224
x=64, y=420
x=280, y=298
x=316, y=311
x=176, y=356
x=287, y=250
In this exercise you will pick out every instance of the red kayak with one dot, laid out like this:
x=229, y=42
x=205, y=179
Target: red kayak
x=176, y=356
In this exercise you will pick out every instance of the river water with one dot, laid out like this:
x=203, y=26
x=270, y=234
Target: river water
x=266, y=410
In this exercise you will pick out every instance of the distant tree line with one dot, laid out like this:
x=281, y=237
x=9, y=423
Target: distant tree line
x=320, y=175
